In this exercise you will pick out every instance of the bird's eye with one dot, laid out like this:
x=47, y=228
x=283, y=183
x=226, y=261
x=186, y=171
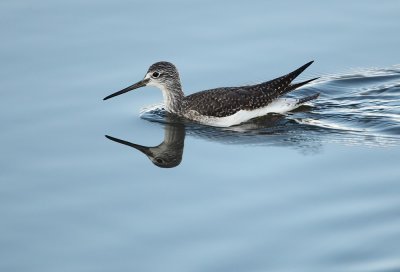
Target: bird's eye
x=159, y=160
x=155, y=74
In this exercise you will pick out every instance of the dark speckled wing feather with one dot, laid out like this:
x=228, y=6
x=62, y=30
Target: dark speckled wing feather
x=226, y=101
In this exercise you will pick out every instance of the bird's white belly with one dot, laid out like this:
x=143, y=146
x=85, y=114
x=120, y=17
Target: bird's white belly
x=280, y=105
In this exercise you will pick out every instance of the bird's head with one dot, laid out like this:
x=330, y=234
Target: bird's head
x=162, y=75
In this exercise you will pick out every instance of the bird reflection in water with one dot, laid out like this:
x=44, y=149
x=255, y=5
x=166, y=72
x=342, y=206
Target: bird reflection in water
x=271, y=130
x=168, y=154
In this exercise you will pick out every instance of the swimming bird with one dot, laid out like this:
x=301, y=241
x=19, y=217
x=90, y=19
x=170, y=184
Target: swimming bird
x=224, y=106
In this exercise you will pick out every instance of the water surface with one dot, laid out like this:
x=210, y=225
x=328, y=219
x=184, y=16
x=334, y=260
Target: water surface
x=313, y=190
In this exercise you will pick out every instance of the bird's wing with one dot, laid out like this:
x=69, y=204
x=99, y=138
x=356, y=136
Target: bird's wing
x=217, y=102
x=226, y=101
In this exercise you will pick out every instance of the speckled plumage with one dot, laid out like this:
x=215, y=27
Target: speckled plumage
x=218, y=102
x=225, y=101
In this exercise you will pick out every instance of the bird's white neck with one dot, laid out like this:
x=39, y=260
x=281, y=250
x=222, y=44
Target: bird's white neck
x=173, y=97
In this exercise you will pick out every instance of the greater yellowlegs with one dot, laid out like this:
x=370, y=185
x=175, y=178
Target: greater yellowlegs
x=225, y=106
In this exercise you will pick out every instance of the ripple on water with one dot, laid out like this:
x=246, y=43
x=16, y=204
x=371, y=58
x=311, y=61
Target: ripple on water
x=361, y=107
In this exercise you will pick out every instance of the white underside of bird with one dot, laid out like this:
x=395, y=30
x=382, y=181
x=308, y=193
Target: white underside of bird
x=280, y=105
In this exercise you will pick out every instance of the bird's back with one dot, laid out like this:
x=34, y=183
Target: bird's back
x=226, y=101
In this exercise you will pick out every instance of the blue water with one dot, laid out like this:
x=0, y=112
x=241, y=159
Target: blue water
x=317, y=189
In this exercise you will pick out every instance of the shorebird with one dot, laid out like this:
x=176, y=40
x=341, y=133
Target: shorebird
x=224, y=106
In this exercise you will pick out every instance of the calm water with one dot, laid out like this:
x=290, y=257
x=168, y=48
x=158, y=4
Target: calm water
x=315, y=190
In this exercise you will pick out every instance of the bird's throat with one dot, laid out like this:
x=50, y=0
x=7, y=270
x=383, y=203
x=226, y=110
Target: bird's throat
x=173, y=99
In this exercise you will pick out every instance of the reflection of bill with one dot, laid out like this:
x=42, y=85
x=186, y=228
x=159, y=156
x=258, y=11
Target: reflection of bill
x=168, y=154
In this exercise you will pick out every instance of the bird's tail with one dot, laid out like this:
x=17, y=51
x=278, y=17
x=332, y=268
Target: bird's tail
x=282, y=85
x=298, y=71
x=293, y=87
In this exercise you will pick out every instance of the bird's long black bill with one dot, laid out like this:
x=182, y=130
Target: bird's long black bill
x=141, y=148
x=130, y=88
